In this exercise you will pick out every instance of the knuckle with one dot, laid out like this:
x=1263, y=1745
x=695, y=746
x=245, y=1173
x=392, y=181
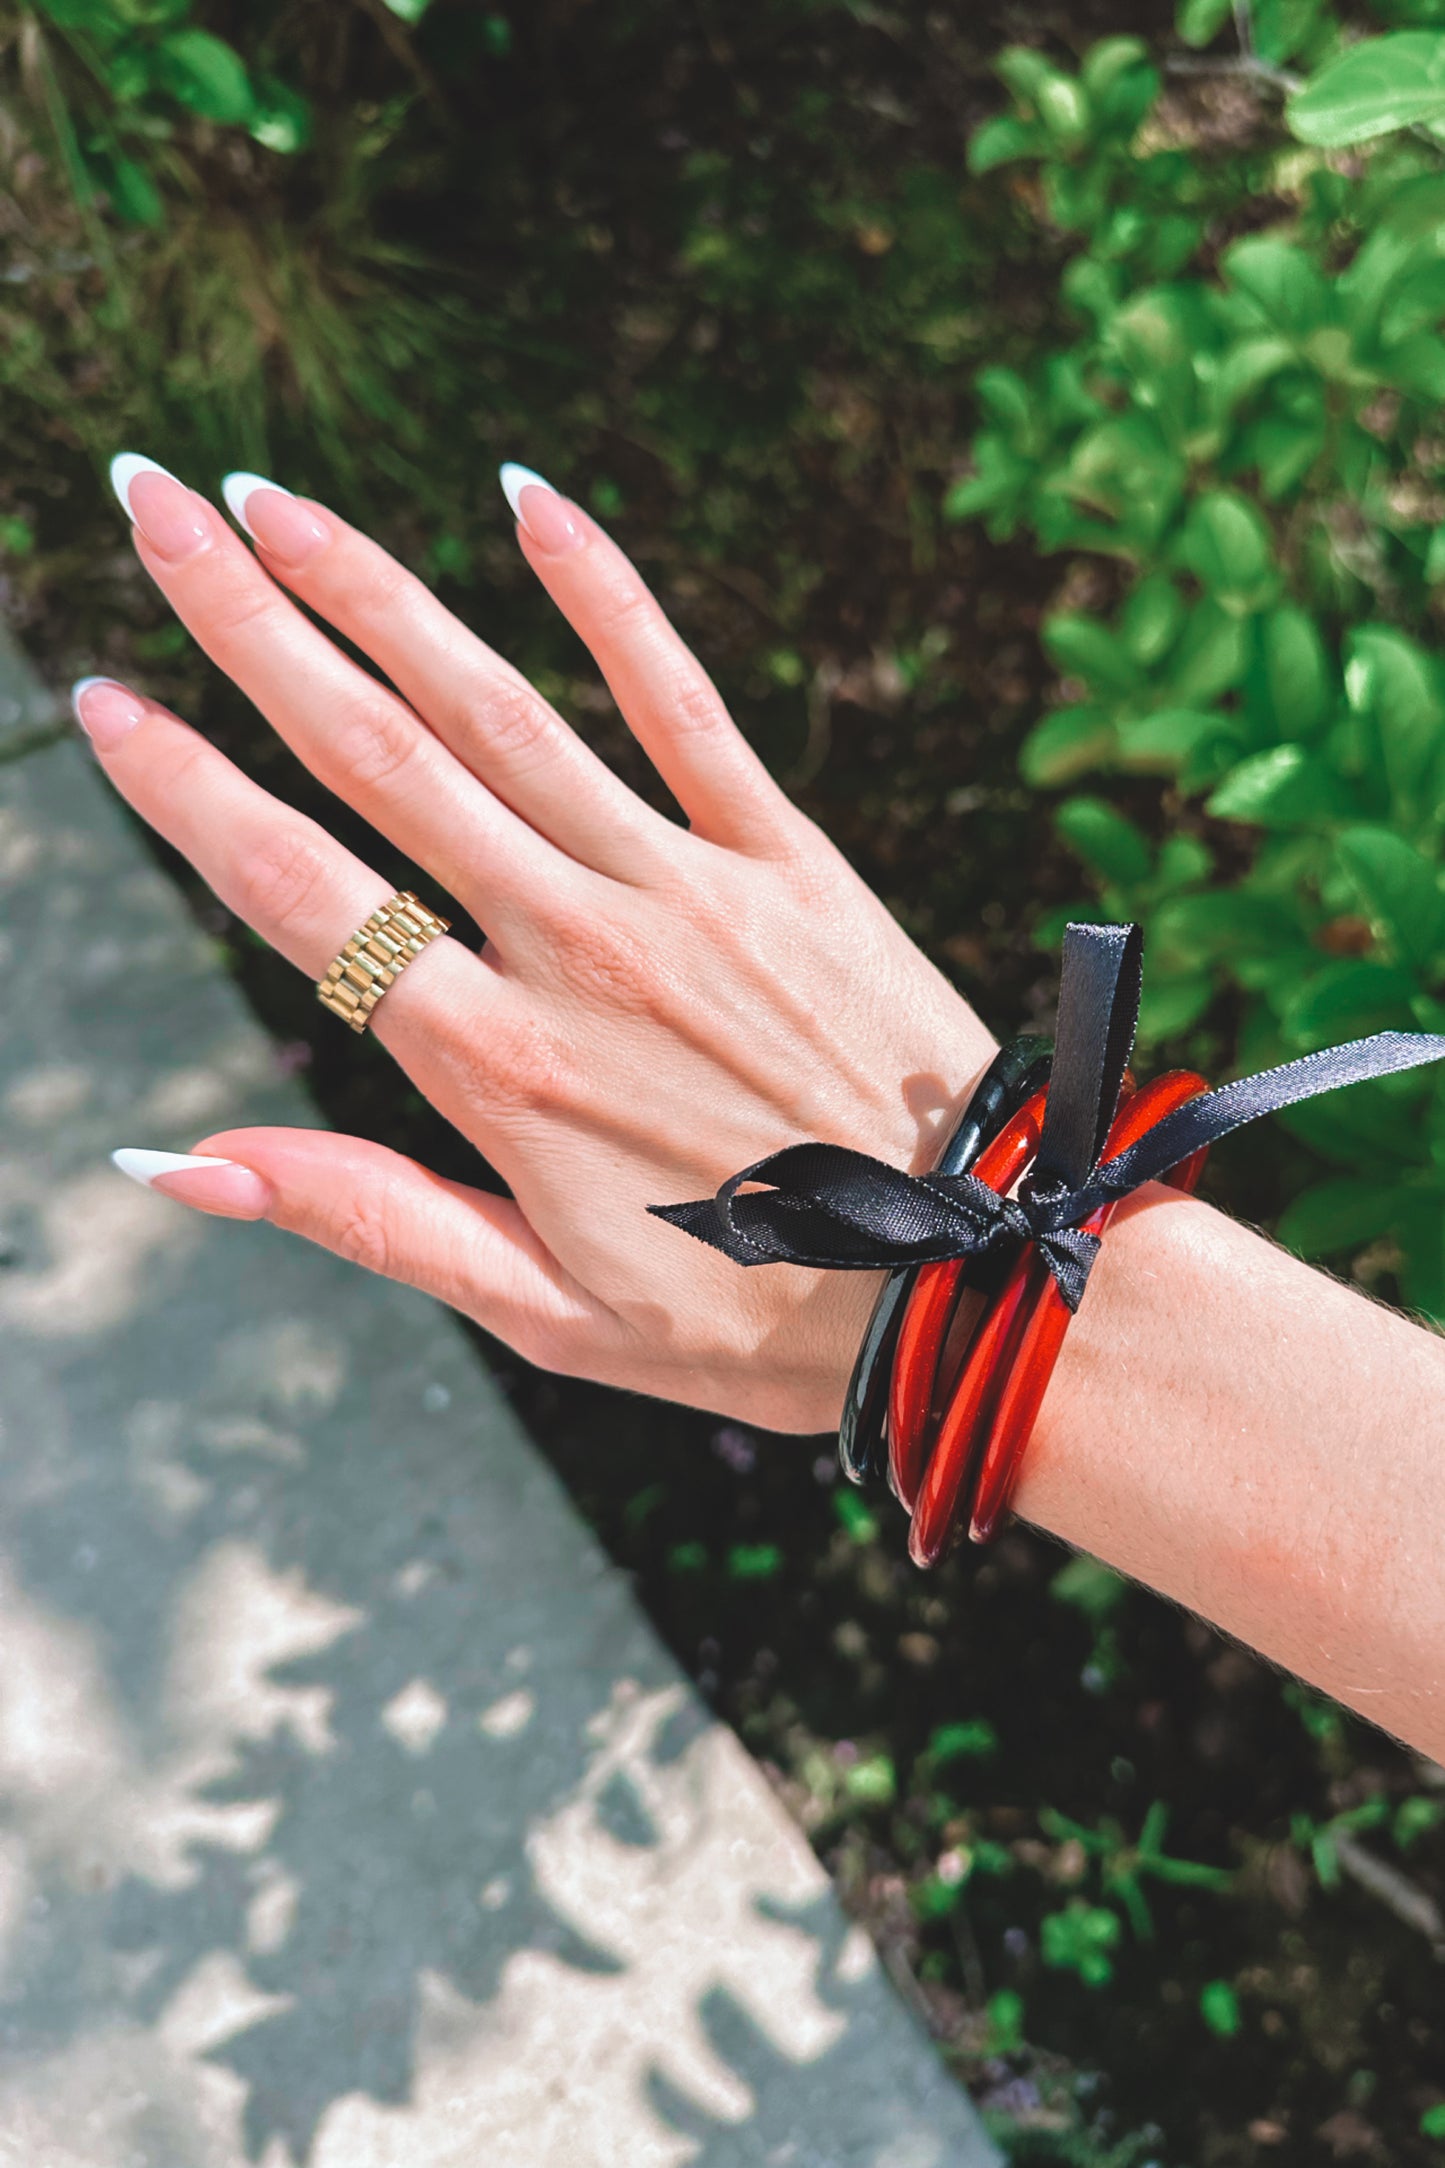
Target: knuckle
x=526, y=1078
x=379, y=744
x=362, y=1234
x=384, y=589
x=236, y=608
x=283, y=877
x=623, y=605
x=691, y=704
x=514, y=722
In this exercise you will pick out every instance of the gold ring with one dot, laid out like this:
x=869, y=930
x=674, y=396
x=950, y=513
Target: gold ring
x=375, y=957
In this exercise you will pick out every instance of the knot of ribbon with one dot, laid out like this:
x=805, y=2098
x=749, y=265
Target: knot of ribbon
x=825, y=1205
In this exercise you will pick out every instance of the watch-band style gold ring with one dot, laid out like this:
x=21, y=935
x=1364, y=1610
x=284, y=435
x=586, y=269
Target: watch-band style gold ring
x=375, y=957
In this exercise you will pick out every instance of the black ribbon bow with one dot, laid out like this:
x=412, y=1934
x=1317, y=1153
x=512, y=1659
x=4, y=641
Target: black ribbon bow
x=828, y=1206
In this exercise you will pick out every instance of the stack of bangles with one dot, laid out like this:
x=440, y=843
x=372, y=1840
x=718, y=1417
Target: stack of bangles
x=988, y=1256
x=958, y=1354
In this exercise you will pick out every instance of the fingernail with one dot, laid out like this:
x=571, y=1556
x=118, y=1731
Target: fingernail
x=270, y=515
x=170, y=516
x=548, y=518
x=105, y=710
x=211, y=1185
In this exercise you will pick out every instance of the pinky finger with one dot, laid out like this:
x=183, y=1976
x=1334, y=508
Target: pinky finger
x=382, y=1210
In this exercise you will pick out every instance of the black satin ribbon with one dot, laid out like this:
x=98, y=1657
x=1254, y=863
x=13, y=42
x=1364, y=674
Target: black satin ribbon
x=1013, y=1076
x=831, y=1207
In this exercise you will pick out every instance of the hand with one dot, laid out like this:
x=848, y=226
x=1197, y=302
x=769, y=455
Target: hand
x=655, y=1006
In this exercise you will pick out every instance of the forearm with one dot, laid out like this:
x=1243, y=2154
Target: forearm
x=1263, y=1445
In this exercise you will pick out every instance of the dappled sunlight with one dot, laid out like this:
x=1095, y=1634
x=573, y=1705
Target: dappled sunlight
x=350, y=1815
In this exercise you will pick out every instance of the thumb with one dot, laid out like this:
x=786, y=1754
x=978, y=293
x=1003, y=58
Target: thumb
x=384, y=1211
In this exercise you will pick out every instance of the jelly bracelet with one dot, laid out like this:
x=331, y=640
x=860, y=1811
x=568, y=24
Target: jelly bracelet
x=821, y=1205
x=997, y=1397
x=1012, y=1076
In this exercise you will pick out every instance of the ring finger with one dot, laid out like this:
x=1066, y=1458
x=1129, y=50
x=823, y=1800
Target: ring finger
x=296, y=886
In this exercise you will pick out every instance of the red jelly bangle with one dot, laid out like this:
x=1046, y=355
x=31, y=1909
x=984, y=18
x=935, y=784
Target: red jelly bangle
x=1026, y=1379
x=994, y=1404
x=930, y=1310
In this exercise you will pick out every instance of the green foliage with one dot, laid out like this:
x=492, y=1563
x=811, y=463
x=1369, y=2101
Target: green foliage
x=973, y=1739
x=1219, y=2008
x=1081, y=1939
x=1372, y=89
x=1123, y=1867
x=1432, y=2122
x=118, y=75
x=1248, y=436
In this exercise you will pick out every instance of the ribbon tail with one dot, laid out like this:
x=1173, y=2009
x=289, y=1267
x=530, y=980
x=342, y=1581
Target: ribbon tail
x=702, y=1220
x=1203, y=1121
x=1098, y=1012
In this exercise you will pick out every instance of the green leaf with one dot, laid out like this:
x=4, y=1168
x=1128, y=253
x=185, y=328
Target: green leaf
x=1024, y=70
x=1220, y=925
x=1285, y=285
x=1286, y=787
x=1399, y=888
x=1432, y=2122
x=1371, y=89
x=1081, y=647
x=1005, y=2012
x=1109, y=845
x=873, y=1782
x=282, y=119
x=1417, y=364
x=1168, y=1006
x=1296, y=673
x=1371, y=1129
x=973, y=1739
x=1151, y=619
x=997, y=142
x=1078, y=1940
x=1348, y=1000
x=754, y=1562
x=1063, y=109
x=1177, y=741
x=1090, y=1587
x=1210, y=658
x=1219, y=2008
x=207, y=75
x=1396, y=684
x=132, y=191
x=1342, y=1212
x=1066, y=745
x=858, y=1522
x=1228, y=548
x=410, y=11
x=1199, y=22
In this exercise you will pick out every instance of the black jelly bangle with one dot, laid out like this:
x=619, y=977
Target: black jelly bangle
x=1014, y=1074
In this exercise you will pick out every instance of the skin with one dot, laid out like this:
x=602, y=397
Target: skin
x=657, y=1005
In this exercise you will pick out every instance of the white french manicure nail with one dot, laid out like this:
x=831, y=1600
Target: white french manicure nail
x=515, y=479
x=82, y=686
x=239, y=488
x=143, y=1166
x=123, y=471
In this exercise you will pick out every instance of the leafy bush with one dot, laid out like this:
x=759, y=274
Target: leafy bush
x=117, y=72
x=1244, y=428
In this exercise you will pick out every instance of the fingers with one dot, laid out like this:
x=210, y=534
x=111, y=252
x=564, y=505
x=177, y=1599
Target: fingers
x=383, y=1211
x=361, y=740
x=280, y=872
x=669, y=702
x=477, y=704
